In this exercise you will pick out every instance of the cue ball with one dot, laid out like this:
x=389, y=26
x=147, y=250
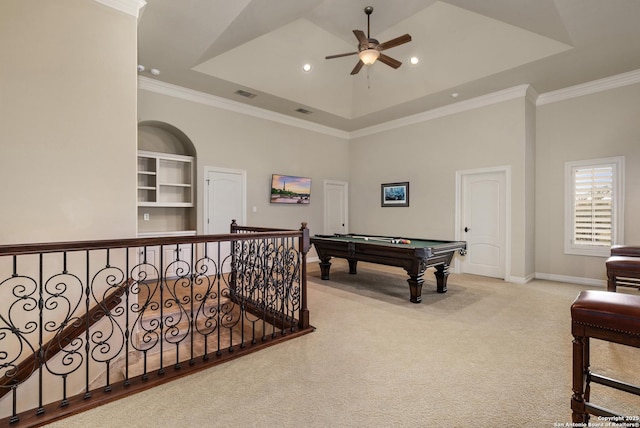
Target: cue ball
x=366, y=239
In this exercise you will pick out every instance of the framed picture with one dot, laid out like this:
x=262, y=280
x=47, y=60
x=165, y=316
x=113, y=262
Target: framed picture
x=289, y=189
x=395, y=194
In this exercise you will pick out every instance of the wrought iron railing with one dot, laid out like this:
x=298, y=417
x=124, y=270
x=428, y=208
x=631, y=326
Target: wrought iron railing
x=82, y=323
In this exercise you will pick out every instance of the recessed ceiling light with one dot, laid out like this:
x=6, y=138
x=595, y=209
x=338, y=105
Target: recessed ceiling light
x=414, y=60
x=455, y=95
x=306, y=67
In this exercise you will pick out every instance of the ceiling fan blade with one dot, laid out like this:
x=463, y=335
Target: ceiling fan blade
x=389, y=61
x=340, y=55
x=395, y=42
x=357, y=68
x=362, y=39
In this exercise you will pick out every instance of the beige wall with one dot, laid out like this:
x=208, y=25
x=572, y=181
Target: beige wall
x=428, y=155
x=601, y=125
x=67, y=139
x=67, y=121
x=227, y=139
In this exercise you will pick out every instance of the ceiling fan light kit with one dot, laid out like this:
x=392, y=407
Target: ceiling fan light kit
x=369, y=56
x=370, y=50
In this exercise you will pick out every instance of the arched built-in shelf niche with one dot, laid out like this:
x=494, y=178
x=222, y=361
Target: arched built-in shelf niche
x=166, y=180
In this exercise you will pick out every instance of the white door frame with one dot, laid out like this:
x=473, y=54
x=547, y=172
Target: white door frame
x=205, y=195
x=345, y=184
x=458, y=214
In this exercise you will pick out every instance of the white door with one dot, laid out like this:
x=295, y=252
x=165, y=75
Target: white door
x=148, y=263
x=176, y=260
x=483, y=219
x=225, y=200
x=336, y=207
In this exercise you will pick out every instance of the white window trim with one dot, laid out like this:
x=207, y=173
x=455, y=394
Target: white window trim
x=617, y=220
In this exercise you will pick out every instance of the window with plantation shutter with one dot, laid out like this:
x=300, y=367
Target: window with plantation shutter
x=593, y=214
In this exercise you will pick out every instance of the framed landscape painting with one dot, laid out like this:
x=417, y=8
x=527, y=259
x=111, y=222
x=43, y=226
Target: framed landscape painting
x=289, y=189
x=395, y=194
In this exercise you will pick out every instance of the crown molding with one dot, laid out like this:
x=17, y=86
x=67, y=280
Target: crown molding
x=164, y=88
x=589, y=88
x=466, y=105
x=130, y=7
x=521, y=91
x=532, y=95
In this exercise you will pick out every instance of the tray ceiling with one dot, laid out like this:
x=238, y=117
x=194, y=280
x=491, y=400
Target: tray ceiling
x=465, y=47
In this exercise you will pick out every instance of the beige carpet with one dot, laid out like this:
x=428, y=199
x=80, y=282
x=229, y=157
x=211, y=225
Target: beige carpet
x=485, y=354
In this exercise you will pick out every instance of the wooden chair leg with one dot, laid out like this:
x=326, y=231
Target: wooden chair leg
x=586, y=367
x=580, y=367
x=611, y=282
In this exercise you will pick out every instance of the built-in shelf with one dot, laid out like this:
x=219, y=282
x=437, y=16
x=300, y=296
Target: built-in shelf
x=164, y=180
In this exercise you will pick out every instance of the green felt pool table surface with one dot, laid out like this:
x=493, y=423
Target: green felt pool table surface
x=381, y=240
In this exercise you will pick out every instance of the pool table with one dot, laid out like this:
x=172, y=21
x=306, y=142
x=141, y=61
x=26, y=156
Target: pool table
x=414, y=255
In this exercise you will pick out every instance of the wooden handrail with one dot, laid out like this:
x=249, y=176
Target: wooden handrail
x=22, y=249
x=55, y=345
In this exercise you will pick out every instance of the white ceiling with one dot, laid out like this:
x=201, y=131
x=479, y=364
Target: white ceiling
x=469, y=47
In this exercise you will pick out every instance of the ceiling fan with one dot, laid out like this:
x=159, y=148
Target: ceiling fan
x=369, y=50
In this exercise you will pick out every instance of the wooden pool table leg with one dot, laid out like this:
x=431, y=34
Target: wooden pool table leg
x=353, y=267
x=441, y=273
x=415, y=287
x=325, y=265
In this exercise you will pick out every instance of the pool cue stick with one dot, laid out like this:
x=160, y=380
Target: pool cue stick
x=366, y=238
x=380, y=239
x=392, y=240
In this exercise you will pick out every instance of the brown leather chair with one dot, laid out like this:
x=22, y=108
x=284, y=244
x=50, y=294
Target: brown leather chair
x=613, y=317
x=623, y=267
x=625, y=250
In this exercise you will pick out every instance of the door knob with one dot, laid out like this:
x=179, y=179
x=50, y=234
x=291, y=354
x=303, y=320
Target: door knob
x=466, y=229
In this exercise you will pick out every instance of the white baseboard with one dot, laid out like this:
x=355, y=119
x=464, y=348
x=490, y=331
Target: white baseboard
x=520, y=279
x=572, y=279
